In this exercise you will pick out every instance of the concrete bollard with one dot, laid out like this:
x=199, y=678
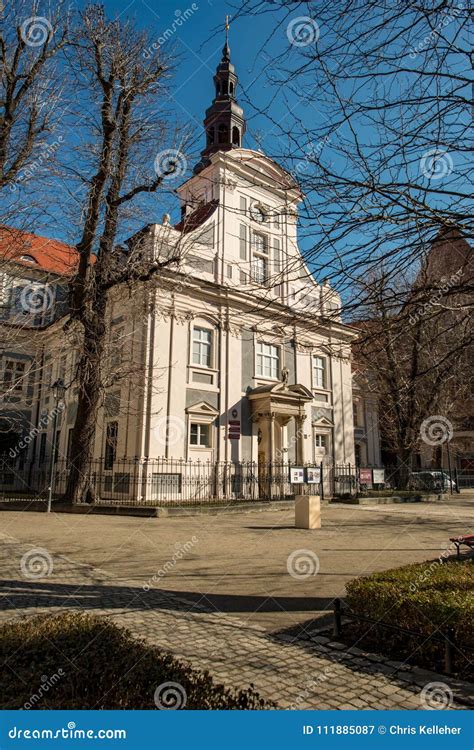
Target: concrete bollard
x=307, y=512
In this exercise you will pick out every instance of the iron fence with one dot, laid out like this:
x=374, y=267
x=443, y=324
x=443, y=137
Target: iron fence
x=162, y=482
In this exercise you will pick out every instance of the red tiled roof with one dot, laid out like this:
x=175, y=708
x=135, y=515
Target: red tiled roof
x=198, y=217
x=49, y=255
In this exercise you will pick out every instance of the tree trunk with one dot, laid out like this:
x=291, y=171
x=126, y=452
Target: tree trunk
x=78, y=486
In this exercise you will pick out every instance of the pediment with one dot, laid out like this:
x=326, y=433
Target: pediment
x=323, y=422
x=202, y=409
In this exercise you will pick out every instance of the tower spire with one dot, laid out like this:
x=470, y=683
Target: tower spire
x=226, y=48
x=224, y=122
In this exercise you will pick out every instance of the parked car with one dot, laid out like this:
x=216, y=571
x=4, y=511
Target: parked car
x=431, y=480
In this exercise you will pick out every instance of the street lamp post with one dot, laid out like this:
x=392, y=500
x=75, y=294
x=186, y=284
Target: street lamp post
x=58, y=388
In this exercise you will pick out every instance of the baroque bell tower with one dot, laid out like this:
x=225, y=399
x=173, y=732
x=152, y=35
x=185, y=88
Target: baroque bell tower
x=224, y=123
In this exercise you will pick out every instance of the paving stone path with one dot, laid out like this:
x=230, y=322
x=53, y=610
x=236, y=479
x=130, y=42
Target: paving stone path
x=313, y=673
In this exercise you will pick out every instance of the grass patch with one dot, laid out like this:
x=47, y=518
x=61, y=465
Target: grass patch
x=79, y=661
x=424, y=597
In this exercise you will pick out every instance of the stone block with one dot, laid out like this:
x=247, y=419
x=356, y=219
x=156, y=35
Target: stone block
x=307, y=512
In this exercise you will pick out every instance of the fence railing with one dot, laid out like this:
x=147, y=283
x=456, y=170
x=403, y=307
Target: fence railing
x=163, y=481
x=177, y=481
x=445, y=638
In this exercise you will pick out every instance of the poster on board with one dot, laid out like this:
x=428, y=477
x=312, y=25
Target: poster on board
x=313, y=474
x=296, y=475
x=365, y=476
x=379, y=476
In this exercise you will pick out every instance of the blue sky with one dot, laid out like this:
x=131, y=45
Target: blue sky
x=195, y=36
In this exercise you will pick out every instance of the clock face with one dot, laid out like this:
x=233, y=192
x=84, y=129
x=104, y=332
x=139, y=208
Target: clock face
x=258, y=214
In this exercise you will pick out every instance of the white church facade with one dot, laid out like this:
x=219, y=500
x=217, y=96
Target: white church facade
x=237, y=355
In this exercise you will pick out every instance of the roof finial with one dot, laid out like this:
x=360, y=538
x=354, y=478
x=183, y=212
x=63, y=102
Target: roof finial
x=226, y=50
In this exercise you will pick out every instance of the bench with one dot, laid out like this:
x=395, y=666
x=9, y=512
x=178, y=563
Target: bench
x=467, y=539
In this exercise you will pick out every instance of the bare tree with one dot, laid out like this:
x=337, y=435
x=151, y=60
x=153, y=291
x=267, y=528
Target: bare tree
x=122, y=91
x=417, y=359
x=373, y=119
x=29, y=86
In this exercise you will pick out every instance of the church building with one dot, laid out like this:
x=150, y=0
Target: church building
x=239, y=355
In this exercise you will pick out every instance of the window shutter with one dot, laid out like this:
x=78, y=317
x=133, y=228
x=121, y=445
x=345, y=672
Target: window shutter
x=243, y=242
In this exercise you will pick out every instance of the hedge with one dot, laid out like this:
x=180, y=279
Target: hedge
x=79, y=661
x=423, y=597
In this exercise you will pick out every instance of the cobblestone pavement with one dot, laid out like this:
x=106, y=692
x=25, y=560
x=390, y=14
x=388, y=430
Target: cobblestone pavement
x=293, y=673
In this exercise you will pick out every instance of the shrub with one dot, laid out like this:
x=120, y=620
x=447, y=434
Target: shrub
x=425, y=598
x=79, y=661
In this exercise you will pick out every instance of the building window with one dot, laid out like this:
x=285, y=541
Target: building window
x=200, y=435
x=116, y=345
x=111, y=445
x=223, y=132
x=355, y=411
x=13, y=375
x=42, y=448
x=229, y=271
x=320, y=441
x=319, y=372
x=259, y=270
x=202, y=347
x=268, y=360
x=259, y=243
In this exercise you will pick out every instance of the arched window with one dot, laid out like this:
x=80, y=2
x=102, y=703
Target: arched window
x=231, y=89
x=236, y=137
x=223, y=133
x=210, y=136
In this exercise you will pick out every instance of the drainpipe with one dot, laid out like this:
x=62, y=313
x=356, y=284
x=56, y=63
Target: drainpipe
x=170, y=371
